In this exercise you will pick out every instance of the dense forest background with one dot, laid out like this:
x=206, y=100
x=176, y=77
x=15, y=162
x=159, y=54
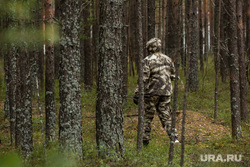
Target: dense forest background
x=68, y=70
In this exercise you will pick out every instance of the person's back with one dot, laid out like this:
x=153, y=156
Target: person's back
x=158, y=73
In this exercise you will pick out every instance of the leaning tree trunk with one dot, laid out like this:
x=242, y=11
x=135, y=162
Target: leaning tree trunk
x=109, y=119
x=70, y=127
x=234, y=70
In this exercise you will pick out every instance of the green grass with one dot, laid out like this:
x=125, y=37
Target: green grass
x=156, y=154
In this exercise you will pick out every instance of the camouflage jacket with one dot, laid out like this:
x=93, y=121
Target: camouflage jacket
x=158, y=71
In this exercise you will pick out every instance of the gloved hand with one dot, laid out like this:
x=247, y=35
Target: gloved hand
x=136, y=98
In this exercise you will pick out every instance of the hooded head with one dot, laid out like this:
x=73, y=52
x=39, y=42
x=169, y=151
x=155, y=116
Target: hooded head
x=153, y=45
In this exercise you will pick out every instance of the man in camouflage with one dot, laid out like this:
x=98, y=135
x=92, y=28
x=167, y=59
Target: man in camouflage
x=158, y=71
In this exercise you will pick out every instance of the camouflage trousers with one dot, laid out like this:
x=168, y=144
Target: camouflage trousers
x=161, y=105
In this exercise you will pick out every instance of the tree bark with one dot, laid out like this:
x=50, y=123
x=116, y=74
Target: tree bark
x=26, y=106
x=217, y=52
x=234, y=70
x=151, y=19
x=224, y=42
x=12, y=91
x=201, y=37
x=206, y=30
x=49, y=73
x=242, y=67
x=109, y=119
x=212, y=18
x=125, y=52
x=172, y=32
x=141, y=85
x=70, y=127
x=177, y=24
x=188, y=33
x=248, y=40
x=18, y=102
x=88, y=80
x=193, y=74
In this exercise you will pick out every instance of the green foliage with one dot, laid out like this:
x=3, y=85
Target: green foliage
x=21, y=30
x=10, y=160
x=18, y=10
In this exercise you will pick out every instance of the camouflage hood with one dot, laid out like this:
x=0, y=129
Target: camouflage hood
x=154, y=45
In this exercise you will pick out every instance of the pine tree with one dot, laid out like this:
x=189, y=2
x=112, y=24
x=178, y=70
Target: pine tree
x=193, y=75
x=242, y=62
x=70, y=128
x=234, y=70
x=109, y=119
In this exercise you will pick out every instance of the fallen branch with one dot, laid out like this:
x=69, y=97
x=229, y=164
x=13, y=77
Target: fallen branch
x=132, y=115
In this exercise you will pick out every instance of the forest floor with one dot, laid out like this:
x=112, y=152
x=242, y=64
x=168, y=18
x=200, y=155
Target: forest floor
x=203, y=134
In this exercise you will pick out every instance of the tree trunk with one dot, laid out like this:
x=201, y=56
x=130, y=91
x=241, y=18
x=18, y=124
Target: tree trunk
x=151, y=19
x=172, y=25
x=206, y=30
x=26, y=106
x=141, y=86
x=49, y=73
x=200, y=37
x=234, y=70
x=88, y=80
x=95, y=38
x=193, y=74
x=6, y=78
x=248, y=40
x=217, y=52
x=57, y=46
x=184, y=113
x=242, y=67
x=132, y=35
x=41, y=57
x=109, y=119
x=70, y=127
x=12, y=91
x=125, y=53
x=18, y=102
x=187, y=32
x=212, y=17
x=177, y=24
x=224, y=43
